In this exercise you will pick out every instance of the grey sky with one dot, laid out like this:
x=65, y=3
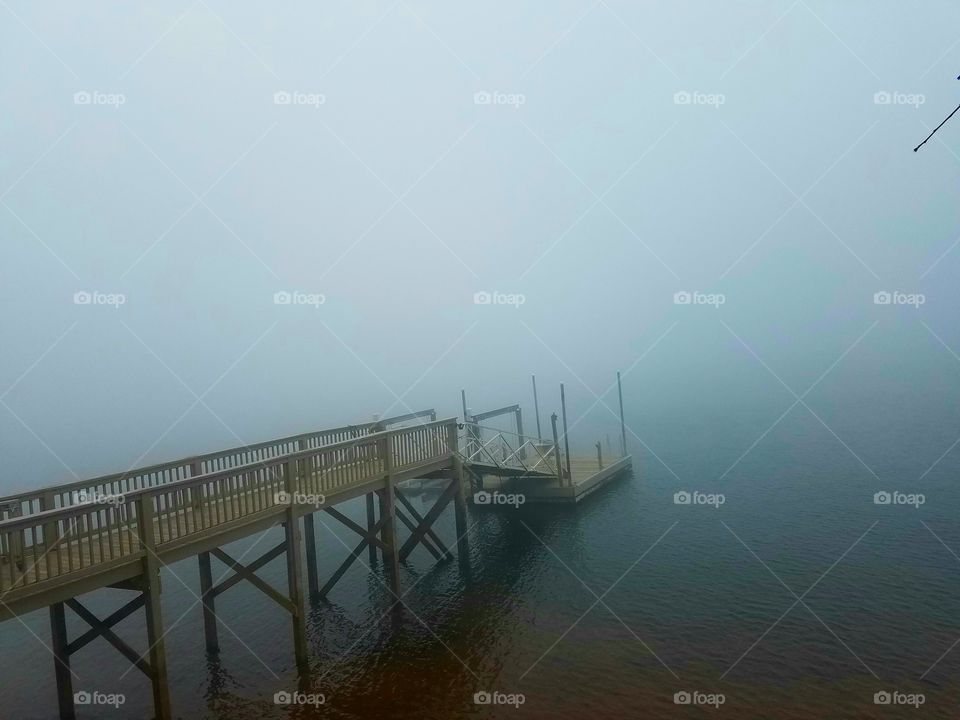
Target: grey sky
x=586, y=184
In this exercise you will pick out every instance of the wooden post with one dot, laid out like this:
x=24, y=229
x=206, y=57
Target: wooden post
x=623, y=427
x=566, y=438
x=310, y=544
x=309, y=529
x=388, y=516
x=556, y=450
x=459, y=500
x=536, y=407
x=51, y=535
x=295, y=570
x=371, y=523
x=196, y=495
x=152, y=609
x=209, y=609
x=471, y=432
x=61, y=661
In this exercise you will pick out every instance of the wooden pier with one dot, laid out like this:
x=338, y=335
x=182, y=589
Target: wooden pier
x=117, y=531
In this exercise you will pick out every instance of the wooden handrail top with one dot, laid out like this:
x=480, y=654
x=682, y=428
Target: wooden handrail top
x=37, y=493
x=46, y=516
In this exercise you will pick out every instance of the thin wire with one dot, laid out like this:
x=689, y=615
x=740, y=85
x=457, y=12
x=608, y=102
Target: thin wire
x=937, y=127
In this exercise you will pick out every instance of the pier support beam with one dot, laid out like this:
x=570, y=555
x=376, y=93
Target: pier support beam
x=209, y=609
x=460, y=513
x=157, y=670
x=295, y=591
x=388, y=536
x=310, y=544
x=61, y=661
x=148, y=598
x=371, y=523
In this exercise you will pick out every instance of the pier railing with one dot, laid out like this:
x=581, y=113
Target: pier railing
x=84, y=491
x=111, y=529
x=505, y=449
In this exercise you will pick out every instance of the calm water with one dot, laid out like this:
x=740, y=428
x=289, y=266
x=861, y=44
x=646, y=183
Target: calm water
x=522, y=621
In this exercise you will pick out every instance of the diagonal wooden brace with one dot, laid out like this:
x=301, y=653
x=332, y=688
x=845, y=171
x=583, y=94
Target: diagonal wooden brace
x=411, y=526
x=244, y=572
x=101, y=628
x=109, y=622
x=370, y=537
x=445, y=497
x=443, y=550
x=252, y=567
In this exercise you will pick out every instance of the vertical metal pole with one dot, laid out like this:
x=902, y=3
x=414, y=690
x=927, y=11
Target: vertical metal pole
x=536, y=407
x=566, y=438
x=291, y=531
x=61, y=661
x=623, y=427
x=556, y=450
x=152, y=609
x=209, y=608
x=523, y=451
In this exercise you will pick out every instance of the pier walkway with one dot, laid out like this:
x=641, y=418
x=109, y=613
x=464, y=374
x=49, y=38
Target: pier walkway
x=117, y=531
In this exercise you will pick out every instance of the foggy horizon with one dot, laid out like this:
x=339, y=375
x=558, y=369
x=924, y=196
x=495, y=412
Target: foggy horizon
x=225, y=223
